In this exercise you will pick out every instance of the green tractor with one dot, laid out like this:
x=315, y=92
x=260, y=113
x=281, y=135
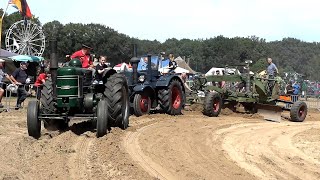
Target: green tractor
x=256, y=93
x=70, y=94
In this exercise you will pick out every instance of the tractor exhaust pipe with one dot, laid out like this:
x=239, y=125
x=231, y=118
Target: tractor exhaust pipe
x=149, y=74
x=54, y=66
x=134, y=63
x=248, y=85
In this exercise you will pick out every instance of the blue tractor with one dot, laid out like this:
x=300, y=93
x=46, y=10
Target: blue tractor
x=150, y=89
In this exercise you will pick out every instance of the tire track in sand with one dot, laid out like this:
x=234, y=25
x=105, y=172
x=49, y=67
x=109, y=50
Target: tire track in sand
x=131, y=143
x=78, y=163
x=266, y=150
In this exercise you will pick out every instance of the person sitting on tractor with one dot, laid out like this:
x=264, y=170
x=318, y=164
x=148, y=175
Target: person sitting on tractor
x=100, y=69
x=172, y=63
x=84, y=56
x=144, y=65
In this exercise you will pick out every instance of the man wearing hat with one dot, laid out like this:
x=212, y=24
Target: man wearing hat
x=84, y=56
x=19, y=77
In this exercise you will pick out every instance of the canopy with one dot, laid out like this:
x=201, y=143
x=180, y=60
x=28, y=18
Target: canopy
x=26, y=58
x=5, y=53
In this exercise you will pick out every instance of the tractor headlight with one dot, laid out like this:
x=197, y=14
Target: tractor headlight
x=141, y=78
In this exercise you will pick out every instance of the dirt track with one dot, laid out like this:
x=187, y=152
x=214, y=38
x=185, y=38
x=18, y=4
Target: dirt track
x=158, y=146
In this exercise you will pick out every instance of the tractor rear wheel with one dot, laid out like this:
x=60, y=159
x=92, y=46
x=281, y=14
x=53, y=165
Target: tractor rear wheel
x=102, y=118
x=33, y=122
x=141, y=104
x=46, y=99
x=212, y=104
x=116, y=94
x=47, y=107
x=298, y=111
x=171, y=98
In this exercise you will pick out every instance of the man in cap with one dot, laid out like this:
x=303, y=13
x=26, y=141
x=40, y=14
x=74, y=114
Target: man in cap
x=19, y=77
x=84, y=55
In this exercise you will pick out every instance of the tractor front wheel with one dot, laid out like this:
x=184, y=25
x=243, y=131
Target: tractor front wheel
x=33, y=122
x=298, y=111
x=141, y=104
x=212, y=104
x=102, y=118
x=171, y=99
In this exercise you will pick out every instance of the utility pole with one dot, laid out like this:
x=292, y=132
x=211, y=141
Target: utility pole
x=1, y=20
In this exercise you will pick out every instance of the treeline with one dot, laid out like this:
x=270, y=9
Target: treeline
x=289, y=54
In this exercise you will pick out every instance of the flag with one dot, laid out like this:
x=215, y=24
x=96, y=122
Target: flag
x=22, y=6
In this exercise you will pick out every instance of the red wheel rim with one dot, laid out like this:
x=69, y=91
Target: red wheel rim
x=176, y=98
x=144, y=104
x=216, y=105
x=301, y=112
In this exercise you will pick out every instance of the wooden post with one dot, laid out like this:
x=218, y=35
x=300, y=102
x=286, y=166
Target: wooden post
x=1, y=20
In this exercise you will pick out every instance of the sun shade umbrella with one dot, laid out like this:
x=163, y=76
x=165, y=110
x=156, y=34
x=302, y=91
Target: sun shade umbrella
x=27, y=58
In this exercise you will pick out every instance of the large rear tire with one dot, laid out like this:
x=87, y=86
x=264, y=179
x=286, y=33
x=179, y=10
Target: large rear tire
x=116, y=94
x=141, y=104
x=102, y=118
x=33, y=122
x=47, y=107
x=212, y=104
x=171, y=98
x=46, y=99
x=298, y=111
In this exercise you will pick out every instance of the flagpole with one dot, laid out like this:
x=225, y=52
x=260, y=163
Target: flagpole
x=1, y=20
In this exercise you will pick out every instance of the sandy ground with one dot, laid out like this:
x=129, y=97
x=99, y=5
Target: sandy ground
x=159, y=146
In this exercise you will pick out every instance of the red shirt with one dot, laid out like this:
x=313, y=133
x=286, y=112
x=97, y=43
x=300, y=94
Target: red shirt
x=41, y=77
x=84, y=58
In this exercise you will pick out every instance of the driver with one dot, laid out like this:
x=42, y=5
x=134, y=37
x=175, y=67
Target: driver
x=144, y=65
x=84, y=55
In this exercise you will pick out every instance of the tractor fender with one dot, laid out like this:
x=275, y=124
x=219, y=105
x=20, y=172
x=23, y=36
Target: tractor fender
x=106, y=74
x=164, y=81
x=144, y=89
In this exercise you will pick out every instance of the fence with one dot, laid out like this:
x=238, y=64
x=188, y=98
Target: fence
x=313, y=102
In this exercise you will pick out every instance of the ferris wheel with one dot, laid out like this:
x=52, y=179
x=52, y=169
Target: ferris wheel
x=25, y=37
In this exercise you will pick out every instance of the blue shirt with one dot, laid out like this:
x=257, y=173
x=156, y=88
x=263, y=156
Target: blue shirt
x=272, y=69
x=296, y=89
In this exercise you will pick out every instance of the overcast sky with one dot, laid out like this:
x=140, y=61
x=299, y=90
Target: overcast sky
x=160, y=20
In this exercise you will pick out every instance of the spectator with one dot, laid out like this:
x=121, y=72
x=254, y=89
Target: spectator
x=2, y=75
x=19, y=77
x=84, y=56
x=184, y=77
x=100, y=69
x=41, y=79
x=289, y=88
x=304, y=88
x=296, y=88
